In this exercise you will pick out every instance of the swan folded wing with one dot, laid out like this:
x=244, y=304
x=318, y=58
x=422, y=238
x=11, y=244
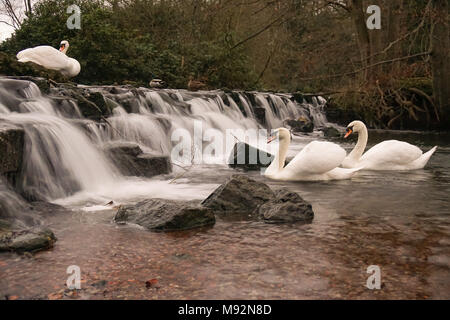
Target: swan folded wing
x=316, y=158
x=392, y=151
x=45, y=56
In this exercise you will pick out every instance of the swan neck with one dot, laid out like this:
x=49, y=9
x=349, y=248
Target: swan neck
x=361, y=144
x=280, y=157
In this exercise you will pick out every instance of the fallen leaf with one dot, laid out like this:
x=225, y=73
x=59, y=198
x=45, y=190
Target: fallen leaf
x=55, y=296
x=150, y=283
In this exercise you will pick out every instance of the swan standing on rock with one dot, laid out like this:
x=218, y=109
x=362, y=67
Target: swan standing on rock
x=317, y=161
x=387, y=155
x=50, y=58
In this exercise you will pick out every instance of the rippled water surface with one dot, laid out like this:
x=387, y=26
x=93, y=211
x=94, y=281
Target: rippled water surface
x=396, y=220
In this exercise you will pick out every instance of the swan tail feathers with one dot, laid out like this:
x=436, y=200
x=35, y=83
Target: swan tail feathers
x=422, y=161
x=22, y=56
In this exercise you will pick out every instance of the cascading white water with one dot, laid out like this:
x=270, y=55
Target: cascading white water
x=60, y=159
x=14, y=209
x=64, y=157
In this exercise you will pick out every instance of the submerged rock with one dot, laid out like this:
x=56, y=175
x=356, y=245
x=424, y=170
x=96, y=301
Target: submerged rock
x=131, y=160
x=240, y=194
x=300, y=125
x=286, y=206
x=166, y=215
x=27, y=240
x=247, y=157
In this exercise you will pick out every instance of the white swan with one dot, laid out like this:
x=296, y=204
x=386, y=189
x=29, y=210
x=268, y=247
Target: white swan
x=387, y=155
x=50, y=58
x=317, y=161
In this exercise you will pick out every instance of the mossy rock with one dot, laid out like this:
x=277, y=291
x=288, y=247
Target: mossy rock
x=27, y=240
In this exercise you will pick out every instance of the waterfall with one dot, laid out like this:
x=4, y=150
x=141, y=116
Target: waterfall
x=14, y=209
x=63, y=150
x=60, y=159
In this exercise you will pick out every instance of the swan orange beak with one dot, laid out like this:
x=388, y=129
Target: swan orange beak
x=349, y=132
x=271, y=138
x=62, y=48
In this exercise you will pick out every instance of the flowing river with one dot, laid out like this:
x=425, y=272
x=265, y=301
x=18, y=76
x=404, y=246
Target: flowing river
x=398, y=221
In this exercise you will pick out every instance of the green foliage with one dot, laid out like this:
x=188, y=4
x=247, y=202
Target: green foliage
x=112, y=49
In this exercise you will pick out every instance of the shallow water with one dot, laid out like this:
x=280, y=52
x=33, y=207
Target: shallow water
x=396, y=220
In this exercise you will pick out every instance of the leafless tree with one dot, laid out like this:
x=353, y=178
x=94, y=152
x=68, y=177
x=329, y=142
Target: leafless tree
x=12, y=12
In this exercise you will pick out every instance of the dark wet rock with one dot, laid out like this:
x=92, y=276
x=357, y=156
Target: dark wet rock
x=166, y=215
x=92, y=105
x=239, y=194
x=27, y=240
x=131, y=160
x=298, y=97
x=331, y=132
x=247, y=157
x=300, y=125
x=285, y=207
x=11, y=151
x=149, y=165
x=124, y=148
x=11, y=148
x=260, y=115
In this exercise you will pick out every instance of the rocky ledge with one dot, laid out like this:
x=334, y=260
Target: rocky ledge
x=11, y=150
x=132, y=161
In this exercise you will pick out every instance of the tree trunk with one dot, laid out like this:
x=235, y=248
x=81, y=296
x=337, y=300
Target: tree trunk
x=440, y=60
x=376, y=43
x=359, y=21
x=394, y=30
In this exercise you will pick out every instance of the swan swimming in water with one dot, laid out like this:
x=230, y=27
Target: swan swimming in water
x=50, y=58
x=319, y=160
x=387, y=155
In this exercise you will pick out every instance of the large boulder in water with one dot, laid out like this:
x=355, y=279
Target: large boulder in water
x=27, y=240
x=246, y=157
x=166, y=215
x=132, y=161
x=240, y=194
x=286, y=206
